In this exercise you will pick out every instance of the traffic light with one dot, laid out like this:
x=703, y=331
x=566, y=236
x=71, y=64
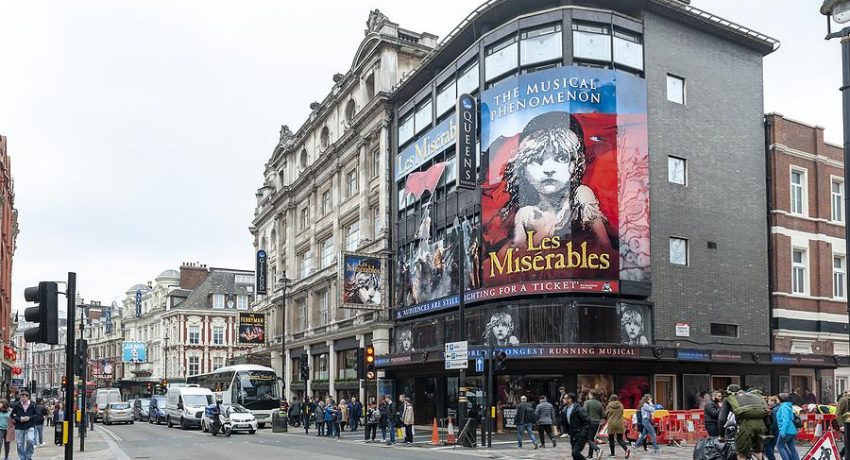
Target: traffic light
x=64, y=381
x=46, y=314
x=164, y=384
x=150, y=387
x=360, y=367
x=501, y=361
x=371, y=372
x=80, y=360
x=305, y=369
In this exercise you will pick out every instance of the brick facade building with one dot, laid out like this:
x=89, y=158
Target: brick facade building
x=808, y=264
x=8, y=237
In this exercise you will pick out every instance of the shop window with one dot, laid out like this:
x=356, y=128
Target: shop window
x=346, y=362
x=591, y=41
x=540, y=44
x=500, y=58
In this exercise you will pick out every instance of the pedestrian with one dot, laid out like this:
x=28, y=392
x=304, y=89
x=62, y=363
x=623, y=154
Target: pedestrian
x=408, y=419
x=293, y=411
x=749, y=410
x=524, y=420
x=382, y=408
x=5, y=414
x=616, y=428
x=544, y=413
x=58, y=423
x=331, y=418
x=712, y=413
x=39, y=426
x=579, y=426
x=355, y=411
x=796, y=399
x=392, y=418
x=786, y=443
x=309, y=410
x=26, y=417
x=343, y=414
x=373, y=419
x=319, y=414
x=472, y=417
x=809, y=397
x=595, y=411
x=773, y=404
x=647, y=408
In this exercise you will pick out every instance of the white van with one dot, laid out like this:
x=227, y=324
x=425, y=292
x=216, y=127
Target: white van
x=103, y=397
x=185, y=405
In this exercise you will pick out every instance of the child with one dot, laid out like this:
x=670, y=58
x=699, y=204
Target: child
x=632, y=324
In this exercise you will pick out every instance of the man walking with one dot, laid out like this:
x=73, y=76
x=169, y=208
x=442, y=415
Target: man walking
x=712, y=413
x=524, y=420
x=545, y=415
x=26, y=416
x=354, y=412
x=392, y=418
x=594, y=412
x=579, y=426
x=295, y=412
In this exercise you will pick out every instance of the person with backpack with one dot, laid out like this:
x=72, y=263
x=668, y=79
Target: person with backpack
x=383, y=424
x=616, y=428
x=524, y=420
x=647, y=408
x=787, y=425
x=373, y=419
x=579, y=426
x=750, y=411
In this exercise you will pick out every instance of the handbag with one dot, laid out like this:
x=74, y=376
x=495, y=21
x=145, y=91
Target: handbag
x=399, y=432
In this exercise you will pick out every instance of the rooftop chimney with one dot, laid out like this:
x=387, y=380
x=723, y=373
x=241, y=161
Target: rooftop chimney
x=192, y=275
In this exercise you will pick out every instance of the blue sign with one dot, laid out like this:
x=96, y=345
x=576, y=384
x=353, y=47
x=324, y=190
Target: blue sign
x=262, y=268
x=426, y=147
x=479, y=364
x=138, y=303
x=783, y=359
x=108, y=320
x=135, y=352
x=693, y=355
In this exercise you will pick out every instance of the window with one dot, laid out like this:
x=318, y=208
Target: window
x=591, y=41
x=325, y=138
x=346, y=363
x=798, y=271
x=352, y=236
x=218, y=300
x=304, y=218
x=500, y=58
x=724, y=330
x=675, y=89
x=839, y=278
x=328, y=254
x=467, y=79
x=838, y=200
x=370, y=86
x=218, y=361
x=351, y=183
x=324, y=308
x=242, y=302
x=296, y=369
x=376, y=222
x=376, y=163
x=405, y=129
x=803, y=347
x=302, y=316
x=243, y=279
x=218, y=335
x=540, y=45
x=676, y=170
x=194, y=365
x=628, y=49
x=678, y=251
x=422, y=118
x=194, y=335
x=326, y=202
x=320, y=367
x=798, y=192
x=304, y=264
x=349, y=111
x=446, y=96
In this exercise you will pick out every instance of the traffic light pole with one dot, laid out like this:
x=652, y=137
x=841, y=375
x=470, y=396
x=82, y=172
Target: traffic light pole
x=461, y=309
x=71, y=294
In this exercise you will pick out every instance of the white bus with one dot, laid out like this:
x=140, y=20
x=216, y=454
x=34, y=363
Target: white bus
x=255, y=387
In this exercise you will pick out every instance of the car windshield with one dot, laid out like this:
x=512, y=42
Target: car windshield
x=239, y=409
x=197, y=400
x=146, y=403
x=120, y=405
x=160, y=401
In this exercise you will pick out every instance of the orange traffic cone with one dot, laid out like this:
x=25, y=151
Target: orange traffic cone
x=450, y=436
x=435, y=434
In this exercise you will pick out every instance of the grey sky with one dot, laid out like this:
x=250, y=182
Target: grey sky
x=138, y=130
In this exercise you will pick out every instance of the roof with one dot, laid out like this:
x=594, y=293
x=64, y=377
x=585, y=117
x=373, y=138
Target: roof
x=170, y=273
x=219, y=281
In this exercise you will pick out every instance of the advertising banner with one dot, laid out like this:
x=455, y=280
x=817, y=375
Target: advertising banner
x=362, y=281
x=135, y=352
x=426, y=147
x=138, y=303
x=262, y=268
x=252, y=328
x=566, y=190
x=467, y=122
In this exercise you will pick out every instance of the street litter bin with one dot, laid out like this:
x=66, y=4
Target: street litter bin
x=280, y=424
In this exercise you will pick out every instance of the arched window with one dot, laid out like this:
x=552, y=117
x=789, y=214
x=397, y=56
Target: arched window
x=349, y=111
x=325, y=138
x=274, y=239
x=303, y=158
x=370, y=86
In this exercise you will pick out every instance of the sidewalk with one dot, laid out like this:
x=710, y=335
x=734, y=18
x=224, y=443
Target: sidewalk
x=98, y=447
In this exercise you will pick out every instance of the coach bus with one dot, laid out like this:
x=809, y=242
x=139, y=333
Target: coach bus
x=255, y=387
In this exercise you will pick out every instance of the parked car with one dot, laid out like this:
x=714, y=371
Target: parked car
x=102, y=397
x=119, y=412
x=141, y=408
x=156, y=410
x=241, y=419
x=184, y=406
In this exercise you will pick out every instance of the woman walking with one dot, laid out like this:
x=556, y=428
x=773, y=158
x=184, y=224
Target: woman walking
x=58, y=419
x=787, y=430
x=407, y=419
x=616, y=428
x=5, y=430
x=647, y=408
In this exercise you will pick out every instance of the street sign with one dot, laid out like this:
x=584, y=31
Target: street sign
x=825, y=447
x=456, y=355
x=479, y=364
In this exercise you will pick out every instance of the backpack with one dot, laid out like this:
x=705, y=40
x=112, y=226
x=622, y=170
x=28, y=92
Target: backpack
x=530, y=414
x=748, y=406
x=798, y=422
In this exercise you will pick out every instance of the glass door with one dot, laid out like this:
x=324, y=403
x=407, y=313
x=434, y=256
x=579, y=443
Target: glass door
x=665, y=391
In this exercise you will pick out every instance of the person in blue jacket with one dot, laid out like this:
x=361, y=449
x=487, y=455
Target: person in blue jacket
x=785, y=443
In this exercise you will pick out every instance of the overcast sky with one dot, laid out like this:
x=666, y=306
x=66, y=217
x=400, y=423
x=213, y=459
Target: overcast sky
x=138, y=131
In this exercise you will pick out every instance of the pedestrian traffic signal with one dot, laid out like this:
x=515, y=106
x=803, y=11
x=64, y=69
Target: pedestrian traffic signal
x=360, y=366
x=80, y=357
x=150, y=387
x=501, y=361
x=64, y=380
x=371, y=372
x=46, y=314
x=305, y=369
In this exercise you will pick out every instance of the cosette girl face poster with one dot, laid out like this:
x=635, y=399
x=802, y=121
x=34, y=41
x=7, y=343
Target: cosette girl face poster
x=566, y=190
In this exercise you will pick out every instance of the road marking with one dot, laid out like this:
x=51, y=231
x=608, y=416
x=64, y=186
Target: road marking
x=111, y=434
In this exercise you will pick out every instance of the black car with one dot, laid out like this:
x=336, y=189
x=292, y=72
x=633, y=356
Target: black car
x=156, y=410
x=140, y=409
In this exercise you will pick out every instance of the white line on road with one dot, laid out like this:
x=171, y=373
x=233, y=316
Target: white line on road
x=111, y=434
x=119, y=454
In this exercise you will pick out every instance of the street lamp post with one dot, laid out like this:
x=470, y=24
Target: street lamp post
x=165, y=365
x=284, y=281
x=839, y=12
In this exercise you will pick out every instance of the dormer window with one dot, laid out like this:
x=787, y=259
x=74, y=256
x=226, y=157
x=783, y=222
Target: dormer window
x=218, y=300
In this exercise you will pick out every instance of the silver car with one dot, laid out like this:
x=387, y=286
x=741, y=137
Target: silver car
x=119, y=412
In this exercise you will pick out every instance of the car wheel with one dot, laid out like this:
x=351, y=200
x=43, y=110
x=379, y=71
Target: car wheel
x=170, y=425
x=261, y=425
x=203, y=426
x=182, y=424
x=252, y=431
x=132, y=422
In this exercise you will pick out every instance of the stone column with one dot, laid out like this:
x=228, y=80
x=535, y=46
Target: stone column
x=307, y=389
x=331, y=369
x=287, y=375
x=362, y=383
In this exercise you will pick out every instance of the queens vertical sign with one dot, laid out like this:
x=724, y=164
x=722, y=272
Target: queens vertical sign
x=262, y=266
x=467, y=120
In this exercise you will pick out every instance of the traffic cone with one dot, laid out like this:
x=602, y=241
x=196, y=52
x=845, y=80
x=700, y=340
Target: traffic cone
x=435, y=434
x=450, y=436
x=818, y=430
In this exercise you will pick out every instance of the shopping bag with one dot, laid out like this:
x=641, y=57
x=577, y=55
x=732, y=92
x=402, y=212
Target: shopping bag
x=602, y=433
x=399, y=432
x=556, y=431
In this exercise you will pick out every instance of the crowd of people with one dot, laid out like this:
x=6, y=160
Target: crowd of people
x=330, y=417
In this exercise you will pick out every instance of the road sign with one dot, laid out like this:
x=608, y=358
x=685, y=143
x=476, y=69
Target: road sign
x=824, y=447
x=479, y=364
x=456, y=355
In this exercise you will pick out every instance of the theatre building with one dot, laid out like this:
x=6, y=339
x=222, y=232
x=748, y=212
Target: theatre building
x=613, y=234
